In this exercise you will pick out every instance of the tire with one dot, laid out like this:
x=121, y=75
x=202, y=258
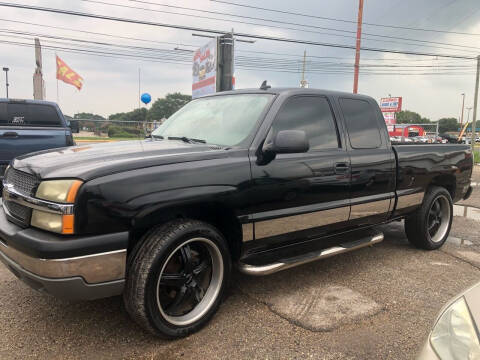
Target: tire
x=177, y=277
x=430, y=216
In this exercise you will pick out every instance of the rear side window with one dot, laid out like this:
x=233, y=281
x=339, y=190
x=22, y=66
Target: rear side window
x=313, y=115
x=16, y=114
x=361, y=124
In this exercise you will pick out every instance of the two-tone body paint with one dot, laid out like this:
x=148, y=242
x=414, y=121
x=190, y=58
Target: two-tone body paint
x=291, y=198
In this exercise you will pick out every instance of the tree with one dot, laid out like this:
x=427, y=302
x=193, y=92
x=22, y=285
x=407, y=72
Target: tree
x=163, y=108
x=84, y=115
x=138, y=115
x=411, y=117
x=448, y=124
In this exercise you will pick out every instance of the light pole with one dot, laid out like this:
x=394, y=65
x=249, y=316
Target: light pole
x=6, y=78
x=463, y=110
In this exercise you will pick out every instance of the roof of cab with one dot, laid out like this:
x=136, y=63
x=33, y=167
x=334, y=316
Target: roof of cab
x=27, y=101
x=293, y=91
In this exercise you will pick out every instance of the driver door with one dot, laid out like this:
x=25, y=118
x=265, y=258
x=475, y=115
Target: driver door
x=305, y=195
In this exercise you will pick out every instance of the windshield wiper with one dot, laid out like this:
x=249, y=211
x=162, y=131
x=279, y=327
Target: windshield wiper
x=187, y=139
x=156, y=136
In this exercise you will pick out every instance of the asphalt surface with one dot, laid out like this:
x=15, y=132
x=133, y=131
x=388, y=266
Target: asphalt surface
x=373, y=303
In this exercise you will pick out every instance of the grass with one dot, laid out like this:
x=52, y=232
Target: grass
x=476, y=156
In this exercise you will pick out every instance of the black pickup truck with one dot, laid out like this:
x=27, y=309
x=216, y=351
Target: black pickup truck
x=264, y=179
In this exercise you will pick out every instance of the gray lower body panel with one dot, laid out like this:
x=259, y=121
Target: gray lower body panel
x=73, y=288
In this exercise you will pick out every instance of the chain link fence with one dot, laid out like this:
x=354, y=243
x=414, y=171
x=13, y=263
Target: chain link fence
x=112, y=129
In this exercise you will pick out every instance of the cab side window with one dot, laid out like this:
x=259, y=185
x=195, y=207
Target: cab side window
x=313, y=115
x=362, y=125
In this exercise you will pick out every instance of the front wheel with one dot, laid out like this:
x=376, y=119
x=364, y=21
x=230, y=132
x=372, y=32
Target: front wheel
x=177, y=277
x=428, y=227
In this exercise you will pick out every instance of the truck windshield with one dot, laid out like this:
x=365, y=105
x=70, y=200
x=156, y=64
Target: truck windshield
x=222, y=120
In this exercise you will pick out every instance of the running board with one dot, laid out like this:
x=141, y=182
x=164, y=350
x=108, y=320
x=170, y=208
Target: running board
x=259, y=270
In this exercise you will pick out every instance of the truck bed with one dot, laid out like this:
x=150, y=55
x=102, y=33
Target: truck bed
x=421, y=164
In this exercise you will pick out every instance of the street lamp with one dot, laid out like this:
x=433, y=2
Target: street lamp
x=6, y=78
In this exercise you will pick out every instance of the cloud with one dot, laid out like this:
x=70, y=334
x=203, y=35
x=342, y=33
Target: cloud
x=111, y=85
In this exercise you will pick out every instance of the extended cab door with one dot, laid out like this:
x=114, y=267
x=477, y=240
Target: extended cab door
x=371, y=159
x=305, y=195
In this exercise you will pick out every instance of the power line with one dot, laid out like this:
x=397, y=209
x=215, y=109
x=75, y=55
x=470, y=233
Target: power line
x=242, y=65
x=343, y=20
x=239, y=59
x=241, y=51
x=190, y=45
x=281, y=22
x=213, y=31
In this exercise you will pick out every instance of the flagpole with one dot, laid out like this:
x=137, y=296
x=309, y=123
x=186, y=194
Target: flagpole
x=56, y=73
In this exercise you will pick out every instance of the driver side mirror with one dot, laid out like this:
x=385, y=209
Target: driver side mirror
x=286, y=142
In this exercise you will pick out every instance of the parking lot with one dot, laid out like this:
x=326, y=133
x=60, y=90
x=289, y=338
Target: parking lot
x=374, y=303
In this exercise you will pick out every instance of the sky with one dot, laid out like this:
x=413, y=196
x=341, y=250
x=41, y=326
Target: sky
x=111, y=82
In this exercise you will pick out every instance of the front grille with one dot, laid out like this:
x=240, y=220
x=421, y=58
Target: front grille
x=18, y=211
x=22, y=182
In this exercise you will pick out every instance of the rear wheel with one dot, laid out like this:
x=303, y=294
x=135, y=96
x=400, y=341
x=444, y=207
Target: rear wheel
x=176, y=278
x=428, y=227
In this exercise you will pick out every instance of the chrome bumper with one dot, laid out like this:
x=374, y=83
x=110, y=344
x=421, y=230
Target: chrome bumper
x=95, y=268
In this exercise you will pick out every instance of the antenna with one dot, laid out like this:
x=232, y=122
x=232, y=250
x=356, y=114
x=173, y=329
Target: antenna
x=264, y=85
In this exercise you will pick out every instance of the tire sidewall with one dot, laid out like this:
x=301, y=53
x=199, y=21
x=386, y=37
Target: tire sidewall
x=155, y=317
x=431, y=197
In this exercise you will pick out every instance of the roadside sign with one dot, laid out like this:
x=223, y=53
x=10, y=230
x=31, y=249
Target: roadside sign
x=204, y=70
x=391, y=104
x=389, y=118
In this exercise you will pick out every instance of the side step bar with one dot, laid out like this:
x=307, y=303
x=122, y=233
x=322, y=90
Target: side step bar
x=259, y=270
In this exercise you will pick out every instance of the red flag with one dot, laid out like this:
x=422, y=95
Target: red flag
x=66, y=74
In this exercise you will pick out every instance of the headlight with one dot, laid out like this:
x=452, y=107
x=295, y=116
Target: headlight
x=47, y=221
x=455, y=335
x=61, y=191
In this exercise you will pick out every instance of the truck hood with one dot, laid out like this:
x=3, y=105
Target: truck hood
x=91, y=161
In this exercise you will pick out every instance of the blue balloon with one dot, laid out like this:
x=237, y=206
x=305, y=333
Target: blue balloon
x=146, y=98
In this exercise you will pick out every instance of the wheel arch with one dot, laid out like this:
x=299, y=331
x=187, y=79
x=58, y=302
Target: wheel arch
x=447, y=181
x=215, y=213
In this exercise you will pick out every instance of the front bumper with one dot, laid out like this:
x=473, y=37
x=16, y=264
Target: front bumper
x=80, y=268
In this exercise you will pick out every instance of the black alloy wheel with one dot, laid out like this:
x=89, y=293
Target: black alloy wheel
x=176, y=277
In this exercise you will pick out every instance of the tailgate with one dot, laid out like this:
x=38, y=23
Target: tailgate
x=16, y=141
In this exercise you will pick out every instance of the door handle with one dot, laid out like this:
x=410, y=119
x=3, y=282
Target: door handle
x=341, y=168
x=10, y=134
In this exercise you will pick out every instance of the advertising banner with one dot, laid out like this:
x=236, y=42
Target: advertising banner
x=391, y=104
x=204, y=70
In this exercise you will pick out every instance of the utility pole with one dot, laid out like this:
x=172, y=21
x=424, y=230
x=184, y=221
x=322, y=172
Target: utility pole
x=357, y=50
x=225, y=62
x=303, y=82
x=463, y=110
x=6, y=78
x=475, y=103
